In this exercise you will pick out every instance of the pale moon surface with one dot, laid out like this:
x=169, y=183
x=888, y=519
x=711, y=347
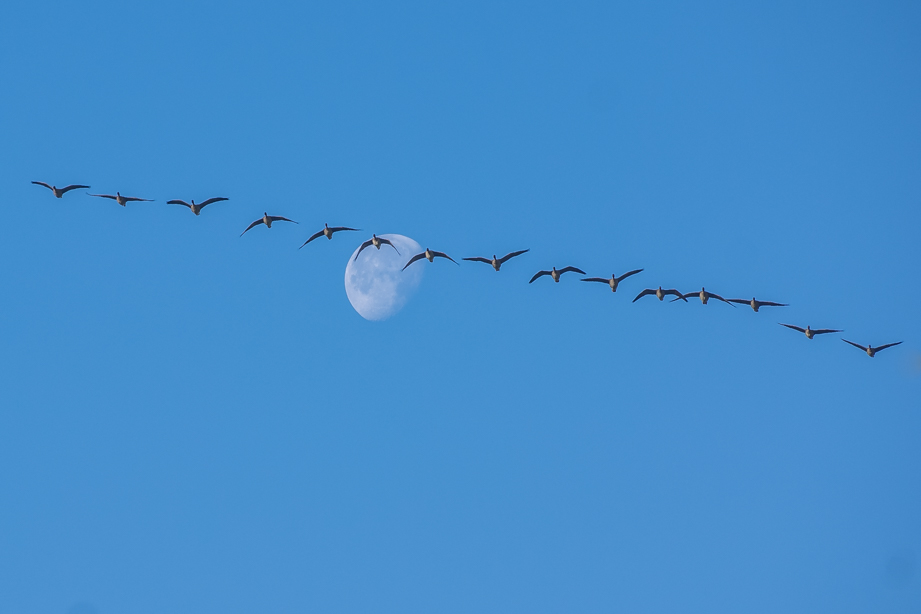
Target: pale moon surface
x=375, y=284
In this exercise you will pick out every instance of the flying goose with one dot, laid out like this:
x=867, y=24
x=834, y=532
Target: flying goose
x=430, y=256
x=376, y=241
x=756, y=304
x=553, y=273
x=267, y=220
x=60, y=192
x=660, y=294
x=614, y=279
x=870, y=350
x=196, y=208
x=705, y=297
x=497, y=262
x=326, y=232
x=810, y=333
x=123, y=200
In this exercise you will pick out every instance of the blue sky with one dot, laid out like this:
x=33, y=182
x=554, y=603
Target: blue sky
x=197, y=422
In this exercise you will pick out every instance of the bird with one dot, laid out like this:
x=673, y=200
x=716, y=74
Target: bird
x=326, y=232
x=376, y=241
x=810, y=333
x=556, y=274
x=267, y=220
x=705, y=296
x=497, y=262
x=756, y=304
x=615, y=280
x=196, y=208
x=660, y=294
x=430, y=256
x=870, y=350
x=123, y=200
x=60, y=192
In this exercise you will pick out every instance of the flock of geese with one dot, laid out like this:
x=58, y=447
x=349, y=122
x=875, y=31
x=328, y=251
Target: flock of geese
x=496, y=263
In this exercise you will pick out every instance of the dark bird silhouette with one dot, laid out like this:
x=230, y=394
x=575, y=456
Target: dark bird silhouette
x=196, y=207
x=123, y=200
x=870, y=350
x=756, y=304
x=615, y=280
x=376, y=241
x=497, y=262
x=555, y=275
x=267, y=220
x=430, y=256
x=810, y=333
x=704, y=297
x=327, y=232
x=60, y=192
x=660, y=294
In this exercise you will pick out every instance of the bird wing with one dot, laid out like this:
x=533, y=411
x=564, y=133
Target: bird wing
x=888, y=345
x=538, y=274
x=823, y=331
x=719, y=298
x=802, y=330
x=770, y=304
x=278, y=218
x=73, y=187
x=626, y=275
x=104, y=196
x=413, y=259
x=645, y=292
x=314, y=236
x=478, y=259
x=44, y=184
x=507, y=257
x=387, y=242
x=600, y=279
x=363, y=246
x=740, y=301
x=444, y=255
x=132, y=199
x=571, y=269
x=855, y=345
x=339, y=228
x=256, y=223
x=179, y=202
x=212, y=200
x=674, y=292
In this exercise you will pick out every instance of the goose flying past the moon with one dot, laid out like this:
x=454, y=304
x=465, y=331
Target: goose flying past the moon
x=870, y=350
x=430, y=256
x=555, y=275
x=615, y=280
x=660, y=294
x=376, y=241
x=498, y=262
x=756, y=304
x=704, y=296
x=267, y=220
x=327, y=232
x=60, y=192
x=809, y=332
x=196, y=207
x=123, y=200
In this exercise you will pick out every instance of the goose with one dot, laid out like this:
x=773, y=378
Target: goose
x=497, y=262
x=123, y=200
x=705, y=297
x=267, y=220
x=555, y=275
x=376, y=241
x=60, y=192
x=810, y=333
x=615, y=280
x=756, y=304
x=870, y=350
x=326, y=232
x=196, y=208
x=430, y=256
x=660, y=294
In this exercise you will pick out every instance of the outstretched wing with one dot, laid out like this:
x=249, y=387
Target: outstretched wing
x=278, y=218
x=674, y=292
x=626, y=275
x=179, y=202
x=256, y=223
x=770, y=304
x=598, y=279
x=888, y=345
x=571, y=269
x=718, y=297
x=645, y=292
x=212, y=200
x=132, y=199
x=538, y=274
x=362, y=248
x=507, y=257
x=478, y=259
x=387, y=242
x=73, y=187
x=104, y=196
x=740, y=301
x=340, y=228
x=413, y=259
x=315, y=236
x=797, y=328
x=824, y=331
x=44, y=184
x=444, y=255
x=855, y=345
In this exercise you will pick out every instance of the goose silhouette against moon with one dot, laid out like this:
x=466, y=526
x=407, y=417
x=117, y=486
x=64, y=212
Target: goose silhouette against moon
x=375, y=284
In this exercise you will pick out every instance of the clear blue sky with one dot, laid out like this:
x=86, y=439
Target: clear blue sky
x=197, y=422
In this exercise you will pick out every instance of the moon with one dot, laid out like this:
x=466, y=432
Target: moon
x=375, y=284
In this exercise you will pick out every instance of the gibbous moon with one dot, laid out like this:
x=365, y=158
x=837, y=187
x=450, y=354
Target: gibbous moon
x=376, y=285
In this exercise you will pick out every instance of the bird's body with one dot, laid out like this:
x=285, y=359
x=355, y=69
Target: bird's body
x=123, y=200
x=326, y=232
x=756, y=304
x=430, y=256
x=196, y=207
x=870, y=350
x=267, y=220
x=376, y=241
x=614, y=281
x=809, y=332
x=497, y=263
x=660, y=294
x=60, y=192
x=555, y=275
x=705, y=296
